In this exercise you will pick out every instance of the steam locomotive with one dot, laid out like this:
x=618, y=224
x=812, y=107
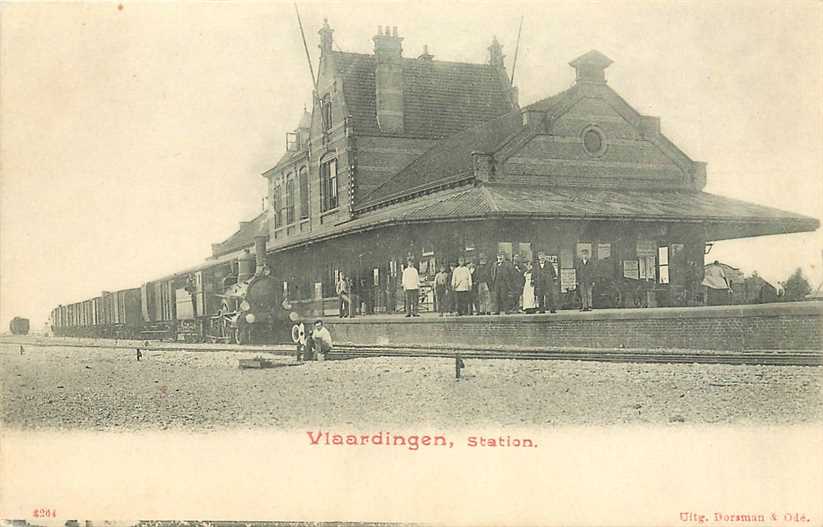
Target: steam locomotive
x=229, y=299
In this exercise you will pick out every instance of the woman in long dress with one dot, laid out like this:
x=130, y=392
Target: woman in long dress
x=527, y=299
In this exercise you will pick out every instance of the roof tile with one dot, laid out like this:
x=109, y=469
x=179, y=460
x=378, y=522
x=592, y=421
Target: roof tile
x=440, y=98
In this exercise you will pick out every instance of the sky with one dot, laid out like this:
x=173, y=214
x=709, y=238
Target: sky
x=134, y=135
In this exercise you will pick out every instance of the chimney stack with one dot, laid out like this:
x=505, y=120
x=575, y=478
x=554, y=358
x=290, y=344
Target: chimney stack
x=426, y=56
x=389, y=79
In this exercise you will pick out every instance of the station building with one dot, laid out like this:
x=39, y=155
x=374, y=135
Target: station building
x=415, y=157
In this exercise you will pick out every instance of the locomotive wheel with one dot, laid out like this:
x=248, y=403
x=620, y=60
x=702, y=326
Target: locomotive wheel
x=242, y=335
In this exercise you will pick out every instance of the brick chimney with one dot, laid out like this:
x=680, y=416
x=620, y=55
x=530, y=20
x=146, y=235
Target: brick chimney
x=591, y=67
x=388, y=78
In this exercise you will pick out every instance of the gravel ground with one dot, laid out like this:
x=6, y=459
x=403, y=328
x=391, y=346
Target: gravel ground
x=108, y=389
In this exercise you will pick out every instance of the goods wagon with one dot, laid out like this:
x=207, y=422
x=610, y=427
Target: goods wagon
x=19, y=326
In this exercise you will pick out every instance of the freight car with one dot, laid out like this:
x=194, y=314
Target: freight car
x=229, y=299
x=19, y=326
x=110, y=315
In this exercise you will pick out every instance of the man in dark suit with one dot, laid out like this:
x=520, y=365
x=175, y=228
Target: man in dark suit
x=503, y=281
x=585, y=279
x=544, y=277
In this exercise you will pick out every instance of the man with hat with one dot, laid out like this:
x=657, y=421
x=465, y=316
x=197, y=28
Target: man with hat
x=544, y=276
x=503, y=282
x=585, y=280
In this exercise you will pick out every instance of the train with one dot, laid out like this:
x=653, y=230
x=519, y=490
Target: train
x=19, y=326
x=233, y=299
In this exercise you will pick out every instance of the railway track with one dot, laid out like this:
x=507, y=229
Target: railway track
x=754, y=357
x=350, y=351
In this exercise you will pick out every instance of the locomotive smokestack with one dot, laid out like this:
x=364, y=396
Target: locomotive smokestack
x=260, y=253
x=244, y=266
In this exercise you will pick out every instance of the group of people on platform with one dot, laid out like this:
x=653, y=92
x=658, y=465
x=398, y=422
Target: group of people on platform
x=498, y=287
x=466, y=288
x=485, y=288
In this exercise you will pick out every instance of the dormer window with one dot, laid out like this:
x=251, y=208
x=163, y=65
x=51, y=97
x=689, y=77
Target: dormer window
x=325, y=112
x=292, y=142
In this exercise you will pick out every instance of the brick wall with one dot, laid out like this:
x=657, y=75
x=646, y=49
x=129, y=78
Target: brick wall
x=797, y=326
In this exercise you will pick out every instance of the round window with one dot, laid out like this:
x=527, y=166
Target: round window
x=593, y=141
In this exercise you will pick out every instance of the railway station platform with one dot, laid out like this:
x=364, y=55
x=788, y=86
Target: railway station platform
x=779, y=333
x=794, y=326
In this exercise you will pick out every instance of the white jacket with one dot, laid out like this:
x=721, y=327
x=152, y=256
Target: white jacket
x=411, y=280
x=461, y=279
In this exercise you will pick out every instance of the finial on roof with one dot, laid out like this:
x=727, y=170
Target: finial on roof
x=326, y=39
x=426, y=55
x=496, y=54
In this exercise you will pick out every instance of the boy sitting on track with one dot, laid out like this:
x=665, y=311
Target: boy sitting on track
x=321, y=340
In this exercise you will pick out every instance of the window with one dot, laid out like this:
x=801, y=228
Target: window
x=593, y=141
x=303, y=182
x=325, y=112
x=278, y=215
x=328, y=185
x=290, y=201
x=292, y=142
x=663, y=258
x=646, y=267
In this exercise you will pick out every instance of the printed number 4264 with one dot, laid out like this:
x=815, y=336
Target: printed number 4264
x=44, y=513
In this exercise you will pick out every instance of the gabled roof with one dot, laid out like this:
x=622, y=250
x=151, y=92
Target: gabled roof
x=439, y=98
x=448, y=160
x=550, y=104
x=244, y=237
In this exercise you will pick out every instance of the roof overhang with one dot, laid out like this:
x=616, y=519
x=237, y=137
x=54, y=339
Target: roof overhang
x=722, y=218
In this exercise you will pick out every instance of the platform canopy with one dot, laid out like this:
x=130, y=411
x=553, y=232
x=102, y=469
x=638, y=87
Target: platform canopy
x=723, y=218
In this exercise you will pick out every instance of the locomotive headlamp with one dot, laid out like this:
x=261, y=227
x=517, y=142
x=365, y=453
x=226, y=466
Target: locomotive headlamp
x=245, y=306
x=250, y=318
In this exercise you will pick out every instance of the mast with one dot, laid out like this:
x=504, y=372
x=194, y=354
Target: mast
x=516, y=50
x=306, y=48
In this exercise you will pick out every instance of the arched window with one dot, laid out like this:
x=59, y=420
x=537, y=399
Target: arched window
x=277, y=204
x=328, y=185
x=290, y=200
x=303, y=183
